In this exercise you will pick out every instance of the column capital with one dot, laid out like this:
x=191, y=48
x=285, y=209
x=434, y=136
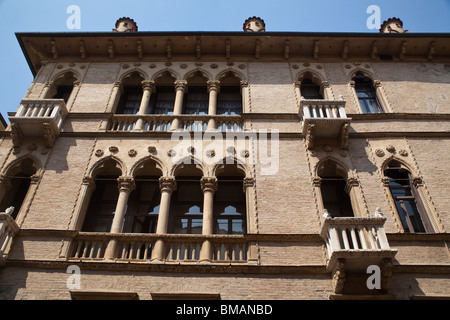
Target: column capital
x=213, y=85
x=167, y=184
x=352, y=83
x=48, y=83
x=180, y=85
x=89, y=182
x=325, y=84
x=376, y=84
x=351, y=182
x=297, y=84
x=35, y=178
x=249, y=182
x=148, y=85
x=209, y=184
x=244, y=83
x=126, y=183
x=117, y=84
x=317, y=181
x=77, y=83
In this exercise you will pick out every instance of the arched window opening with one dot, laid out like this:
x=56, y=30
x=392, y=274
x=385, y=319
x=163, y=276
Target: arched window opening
x=230, y=202
x=19, y=180
x=186, y=209
x=309, y=89
x=144, y=202
x=162, y=100
x=229, y=99
x=196, y=99
x=409, y=206
x=102, y=205
x=333, y=188
x=131, y=97
x=63, y=87
x=367, y=94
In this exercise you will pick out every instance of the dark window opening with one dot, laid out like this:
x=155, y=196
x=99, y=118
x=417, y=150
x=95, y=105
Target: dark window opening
x=143, y=206
x=229, y=101
x=196, y=100
x=310, y=90
x=367, y=95
x=335, y=199
x=162, y=101
x=15, y=195
x=130, y=100
x=63, y=92
x=102, y=206
x=187, y=207
x=230, y=206
x=407, y=201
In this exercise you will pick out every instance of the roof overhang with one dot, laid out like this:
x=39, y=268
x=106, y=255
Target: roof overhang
x=229, y=46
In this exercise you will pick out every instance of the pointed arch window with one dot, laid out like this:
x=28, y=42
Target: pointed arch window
x=407, y=200
x=63, y=87
x=103, y=201
x=230, y=202
x=196, y=99
x=333, y=189
x=163, y=99
x=367, y=94
x=132, y=92
x=18, y=183
x=229, y=99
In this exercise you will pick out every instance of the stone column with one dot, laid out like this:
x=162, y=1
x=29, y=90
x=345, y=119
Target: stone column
x=126, y=186
x=209, y=187
x=213, y=89
x=5, y=184
x=167, y=186
x=327, y=93
x=180, y=89
x=148, y=88
x=87, y=188
x=317, y=181
x=381, y=96
x=352, y=188
x=112, y=104
x=45, y=92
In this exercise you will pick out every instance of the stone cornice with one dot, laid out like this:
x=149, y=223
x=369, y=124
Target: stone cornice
x=152, y=46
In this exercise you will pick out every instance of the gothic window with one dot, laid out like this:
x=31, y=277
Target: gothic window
x=132, y=92
x=229, y=99
x=367, y=94
x=196, y=99
x=310, y=90
x=18, y=182
x=103, y=201
x=333, y=188
x=63, y=87
x=186, y=208
x=409, y=206
x=163, y=99
x=230, y=202
x=143, y=206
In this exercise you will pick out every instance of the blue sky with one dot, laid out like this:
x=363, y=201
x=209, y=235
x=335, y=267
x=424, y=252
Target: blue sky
x=195, y=15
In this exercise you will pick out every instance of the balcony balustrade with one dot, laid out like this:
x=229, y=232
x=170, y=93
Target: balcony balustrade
x=8, y=229
x=177, y=248
x=324, y=119
x=355, y=243
x=165, y=123
x=38, y=118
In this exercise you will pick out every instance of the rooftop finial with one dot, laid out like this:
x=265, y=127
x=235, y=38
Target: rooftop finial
x=126, y=24
x=254, y=24
x=392, y=25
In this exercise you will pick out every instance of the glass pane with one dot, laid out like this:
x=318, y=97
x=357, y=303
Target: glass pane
x=237, y=226
x=196, y=226
x=413, y=213
x=222, y=226
x=181, y=226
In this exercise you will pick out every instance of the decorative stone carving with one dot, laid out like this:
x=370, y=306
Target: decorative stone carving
x=113, y=149
x=326, y=214
x=208, y=184
x=248, y=182
x=126, y=183
x=167, y=184
x=245, y=154
x=390, y=148
x=339, y=276
x=171, y=153
x=132, y=153
x=378, y=213
x=403, y=153
x=152, y=149
x=379, y=153
x=191, y=150
x=99, y=153
x=211, y=153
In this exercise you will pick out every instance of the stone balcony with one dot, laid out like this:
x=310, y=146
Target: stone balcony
x=167, y=123
x=355, y=243
x=38, y=118
x=324, y=119
x=8, y=229
x=165, y=248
